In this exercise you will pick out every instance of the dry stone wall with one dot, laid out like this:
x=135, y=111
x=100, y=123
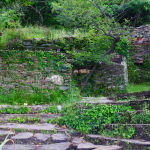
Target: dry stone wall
x=30, y=72
x=140, y=41
x=23, y=71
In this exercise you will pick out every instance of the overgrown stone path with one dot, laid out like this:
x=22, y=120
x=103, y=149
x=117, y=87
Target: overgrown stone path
x=45, y=136
x=33, y=139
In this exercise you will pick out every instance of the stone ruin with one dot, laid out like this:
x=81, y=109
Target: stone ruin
x=111, y=74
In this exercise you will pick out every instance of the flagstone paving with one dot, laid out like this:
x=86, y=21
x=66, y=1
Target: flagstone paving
x=23, y=135
x=45, y=136
x=57, y=138
x=42, y=137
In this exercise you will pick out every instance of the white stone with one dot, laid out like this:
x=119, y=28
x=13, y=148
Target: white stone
x=59, y=107
x=56, y=79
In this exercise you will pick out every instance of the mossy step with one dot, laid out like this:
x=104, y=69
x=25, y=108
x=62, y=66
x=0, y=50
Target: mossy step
x=137, y=142
x=124, y=143
x=36, y=127
x=42, y=117
x=33, y=108
x=142, y=131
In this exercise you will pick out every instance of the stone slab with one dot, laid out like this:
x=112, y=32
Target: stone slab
x=42, y=137
x=76, y=141
x=33, y=108
x=57, y=138
x=58, y=146
x=132, y=141
x=90, y=146
x=111, y=147
x=18, y=147
x=22, y=136
x=44, y=126
x=43, y=117
x=93, y=100
x=4, y=132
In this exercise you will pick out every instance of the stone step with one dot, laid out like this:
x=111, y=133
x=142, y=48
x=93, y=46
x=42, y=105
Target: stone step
x=33, y=108
x=61, y=146
x=141, y=130
x=60, y=142
x=136, y=104
x=58, y=146
x=42, y=117
x=131, y=141
x=36, y=127
x=96, y=100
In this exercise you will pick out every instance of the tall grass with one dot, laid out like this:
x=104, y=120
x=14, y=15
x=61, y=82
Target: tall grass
x=39, y=96
x=30, y=32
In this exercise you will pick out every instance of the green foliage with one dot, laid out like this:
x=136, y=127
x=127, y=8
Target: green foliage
x=139, y=74
x=137, y=12
x=39, y=12
x=9, y=18
x=119, y=131
x=40, y=96
x=131, y=88
x=11, y=38
x=24, y=119
x=10, y=2
x=11, y=110
x=51, y=109
x=122, y=47
x=89, y=119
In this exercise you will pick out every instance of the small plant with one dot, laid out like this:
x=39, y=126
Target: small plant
x=11, y=110
x=5, y=141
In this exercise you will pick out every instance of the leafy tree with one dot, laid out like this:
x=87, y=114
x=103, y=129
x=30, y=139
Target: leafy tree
x=137, y=12
x=104, y=30
x=39, y=12
x=10, y=2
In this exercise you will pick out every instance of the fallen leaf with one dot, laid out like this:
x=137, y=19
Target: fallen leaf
x=81, y=137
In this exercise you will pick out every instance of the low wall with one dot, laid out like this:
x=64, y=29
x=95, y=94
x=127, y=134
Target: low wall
x=46, y=65
x=33, y=68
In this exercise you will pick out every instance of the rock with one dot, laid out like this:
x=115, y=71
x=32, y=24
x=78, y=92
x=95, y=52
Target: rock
x=90, y=146
x=18, y=147
x=64, y=88
x=111, y=147
x=57, y=138
x=59, y=107
x=1, y=60
x=84, y=71
x=75, y=71
x=85, y=146
x=76, y=141
x=4, y=132
x=23, y=135
x=57, y=79
x=58, y=146
x=42, y=137
x=29, y=81
x=44, y=126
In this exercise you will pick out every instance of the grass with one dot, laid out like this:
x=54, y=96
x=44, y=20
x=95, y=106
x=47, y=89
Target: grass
x=39, y=96
x=30, y=32
x=131, y=88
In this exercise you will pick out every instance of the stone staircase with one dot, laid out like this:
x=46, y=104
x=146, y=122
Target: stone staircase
x=45, y=136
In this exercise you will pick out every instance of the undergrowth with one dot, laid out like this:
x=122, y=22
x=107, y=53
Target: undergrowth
x=39, y=96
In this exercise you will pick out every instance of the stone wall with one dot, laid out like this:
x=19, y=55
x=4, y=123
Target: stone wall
x=140, y=41
x=30, y=72
x=13, y=72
